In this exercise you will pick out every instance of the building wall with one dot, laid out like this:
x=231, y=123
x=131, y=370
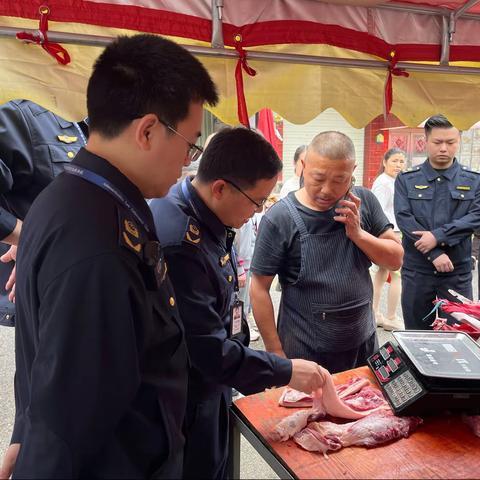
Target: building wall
x=296, y=135
x=374, y=147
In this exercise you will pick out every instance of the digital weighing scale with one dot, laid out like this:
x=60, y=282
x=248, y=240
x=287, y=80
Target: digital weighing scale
x=424, y=372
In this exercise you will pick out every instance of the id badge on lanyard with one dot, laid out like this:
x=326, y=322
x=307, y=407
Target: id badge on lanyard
x=236, y=315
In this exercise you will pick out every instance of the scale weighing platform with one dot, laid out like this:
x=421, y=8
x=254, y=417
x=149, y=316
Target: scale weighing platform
x=424, y=372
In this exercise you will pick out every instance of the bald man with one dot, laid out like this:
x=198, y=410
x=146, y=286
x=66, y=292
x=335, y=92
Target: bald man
x=321, y=241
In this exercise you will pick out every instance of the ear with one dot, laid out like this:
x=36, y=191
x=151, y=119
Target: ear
x=218, y=189
x=144, y=130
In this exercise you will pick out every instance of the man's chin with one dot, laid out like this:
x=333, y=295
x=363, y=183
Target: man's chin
x=324, y=204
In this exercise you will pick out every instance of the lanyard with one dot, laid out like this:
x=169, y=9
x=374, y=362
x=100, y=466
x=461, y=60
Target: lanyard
x=101, y=182
x=80, y=131
x=231, y=253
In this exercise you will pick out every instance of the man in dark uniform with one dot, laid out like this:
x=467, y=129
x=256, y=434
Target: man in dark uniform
x=321, y=240
x=437, y=207
x=101, y=377
x=237, y=172
x=35, y=144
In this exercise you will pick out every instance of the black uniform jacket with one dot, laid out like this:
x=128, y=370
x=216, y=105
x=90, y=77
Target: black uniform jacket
x=35, y=145
x=199, y=257
x=101, y=360
x=444, y=202
x=197, y=250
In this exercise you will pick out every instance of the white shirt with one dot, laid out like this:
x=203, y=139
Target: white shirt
x=290, y=185
x=384, y=188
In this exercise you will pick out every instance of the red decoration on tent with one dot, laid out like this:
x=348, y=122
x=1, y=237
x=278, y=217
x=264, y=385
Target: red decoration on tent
x=41, y=38
x=398, y=72
x=242, y=64
x=266, y=124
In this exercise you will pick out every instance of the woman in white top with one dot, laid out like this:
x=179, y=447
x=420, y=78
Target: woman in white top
x=383, y=188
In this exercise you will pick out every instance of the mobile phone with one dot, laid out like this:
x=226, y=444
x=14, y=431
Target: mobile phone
x=346, y=196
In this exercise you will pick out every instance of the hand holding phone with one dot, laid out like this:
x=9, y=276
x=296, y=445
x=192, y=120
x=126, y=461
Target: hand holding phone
x=348, y=212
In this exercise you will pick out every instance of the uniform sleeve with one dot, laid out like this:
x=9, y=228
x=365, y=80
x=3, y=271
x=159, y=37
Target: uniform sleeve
x=269, y=253
x=406, y=221
x=85, y=374
x=15, y=150
x=219, y=358
x=454, y=232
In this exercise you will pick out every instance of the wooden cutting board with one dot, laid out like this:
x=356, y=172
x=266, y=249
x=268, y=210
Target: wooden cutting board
x=442, y=447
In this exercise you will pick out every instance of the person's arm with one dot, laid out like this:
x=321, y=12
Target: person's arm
x=212, y=352
x=453, y=233
x=384, y=250
x=85, y=373
x=16, y=163
x=13, y=237
x=263, y=313
x=406, y=221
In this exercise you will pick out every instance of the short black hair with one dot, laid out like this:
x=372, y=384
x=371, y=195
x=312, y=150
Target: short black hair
x=298, y=152
x=239, y=155
x=144, y=74
x=437, y=121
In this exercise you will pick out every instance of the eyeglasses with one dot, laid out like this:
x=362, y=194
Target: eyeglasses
x=194, y=151
x=257, y=204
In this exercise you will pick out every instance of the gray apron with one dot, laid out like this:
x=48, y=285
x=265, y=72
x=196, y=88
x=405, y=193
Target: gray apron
x=329, y=307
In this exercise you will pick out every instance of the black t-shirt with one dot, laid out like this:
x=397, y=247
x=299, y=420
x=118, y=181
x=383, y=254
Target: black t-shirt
x=277, y=247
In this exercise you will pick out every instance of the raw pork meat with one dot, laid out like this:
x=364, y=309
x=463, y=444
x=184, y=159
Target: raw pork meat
x=474, y=422
x=293, y=398
x=333, y=405
x=368, y=398
x=375, y=429
x=292, y=424
x=359, y=400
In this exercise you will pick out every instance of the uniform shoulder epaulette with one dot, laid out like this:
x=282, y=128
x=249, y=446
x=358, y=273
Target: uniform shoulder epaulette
x=410, y=170
x=468, y=169
x=192, y=234
x=130, y=233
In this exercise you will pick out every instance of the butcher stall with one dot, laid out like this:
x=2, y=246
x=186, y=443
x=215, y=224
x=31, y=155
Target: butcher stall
x=438, y=446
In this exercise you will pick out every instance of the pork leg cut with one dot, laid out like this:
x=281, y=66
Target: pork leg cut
x=375, y=429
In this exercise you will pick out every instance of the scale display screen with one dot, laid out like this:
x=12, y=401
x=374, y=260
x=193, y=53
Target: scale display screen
x=441, y=354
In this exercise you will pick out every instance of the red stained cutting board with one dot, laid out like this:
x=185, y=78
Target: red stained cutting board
x=442, y=447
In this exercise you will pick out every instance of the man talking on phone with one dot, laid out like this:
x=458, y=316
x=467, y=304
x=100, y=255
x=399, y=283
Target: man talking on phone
x=321, y=241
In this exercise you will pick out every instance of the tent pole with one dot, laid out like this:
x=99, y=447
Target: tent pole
x=230, y=53
x=449, y=28
x=217, y=30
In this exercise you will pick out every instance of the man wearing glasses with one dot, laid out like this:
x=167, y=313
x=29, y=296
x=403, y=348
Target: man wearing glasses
x=101, y=360
x=195, y=225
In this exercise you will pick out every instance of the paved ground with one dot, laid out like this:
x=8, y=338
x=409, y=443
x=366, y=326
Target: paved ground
x=252, y=465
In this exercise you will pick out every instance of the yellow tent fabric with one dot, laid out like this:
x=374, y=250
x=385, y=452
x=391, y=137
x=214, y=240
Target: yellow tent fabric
x=297, y=92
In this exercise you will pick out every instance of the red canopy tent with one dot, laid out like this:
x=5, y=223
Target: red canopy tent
x=360, y=57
